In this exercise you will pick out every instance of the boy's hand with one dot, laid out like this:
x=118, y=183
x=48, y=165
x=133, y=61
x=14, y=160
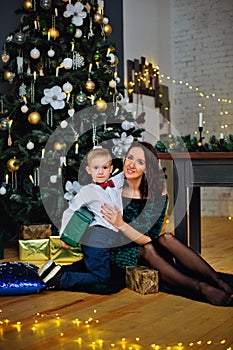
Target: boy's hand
x=64, y=245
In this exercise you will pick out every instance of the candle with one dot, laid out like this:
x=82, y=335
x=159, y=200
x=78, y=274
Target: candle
x=34, y=74
x=31, y=178
x=221, y=136
x=7, y=178
x=42, y=153
x=200, y=120
x=90, y=66
x=56, y=13
x=48, y=36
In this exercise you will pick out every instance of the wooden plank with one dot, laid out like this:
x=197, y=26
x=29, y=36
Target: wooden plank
x=126, y=319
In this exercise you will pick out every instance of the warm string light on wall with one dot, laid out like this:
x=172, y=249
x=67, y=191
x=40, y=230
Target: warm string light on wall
x=145, y=78
x=203, y=96
x=90, y=339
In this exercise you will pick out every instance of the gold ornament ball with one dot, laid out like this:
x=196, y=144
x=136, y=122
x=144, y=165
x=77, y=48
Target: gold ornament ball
x=11, y=166
x=54, y=33
x=7, y=75
x=98, y=18
x=107, y=29
x=34, y=118
x=27, y=4
x=90, y=85
x=57, y=146
x=101, y=105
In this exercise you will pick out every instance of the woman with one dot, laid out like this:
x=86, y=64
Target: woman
x=180, y=268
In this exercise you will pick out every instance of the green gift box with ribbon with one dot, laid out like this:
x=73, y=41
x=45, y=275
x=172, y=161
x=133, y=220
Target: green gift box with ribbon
x=77, y=226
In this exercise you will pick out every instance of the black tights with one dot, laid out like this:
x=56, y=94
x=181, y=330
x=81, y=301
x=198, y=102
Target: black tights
x=186, y=271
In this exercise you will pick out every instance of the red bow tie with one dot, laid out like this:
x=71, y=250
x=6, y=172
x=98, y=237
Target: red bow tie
x=109, y=183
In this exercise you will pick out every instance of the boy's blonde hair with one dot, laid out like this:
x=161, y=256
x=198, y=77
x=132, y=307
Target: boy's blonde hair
x=98, y=152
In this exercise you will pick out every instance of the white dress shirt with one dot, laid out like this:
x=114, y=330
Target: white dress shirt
x=93, y=196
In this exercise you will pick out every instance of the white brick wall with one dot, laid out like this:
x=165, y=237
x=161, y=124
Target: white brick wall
x=202, y=36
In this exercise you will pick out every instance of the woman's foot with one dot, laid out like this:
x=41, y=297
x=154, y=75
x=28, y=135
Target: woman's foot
x=225, y=286
x=214, y=295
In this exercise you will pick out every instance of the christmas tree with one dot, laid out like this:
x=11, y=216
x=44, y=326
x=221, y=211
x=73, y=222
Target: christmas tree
x=62, y=98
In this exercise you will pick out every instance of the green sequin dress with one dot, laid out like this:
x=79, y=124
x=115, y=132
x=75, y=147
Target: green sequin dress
x=147, y=217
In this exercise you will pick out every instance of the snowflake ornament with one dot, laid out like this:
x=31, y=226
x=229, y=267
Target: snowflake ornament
x=78, y=60
x=72, y=189
x=22, y=90
x=77, y=13
x=55, y=96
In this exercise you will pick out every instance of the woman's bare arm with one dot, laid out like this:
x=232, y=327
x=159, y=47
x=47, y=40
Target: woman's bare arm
x=114, y=217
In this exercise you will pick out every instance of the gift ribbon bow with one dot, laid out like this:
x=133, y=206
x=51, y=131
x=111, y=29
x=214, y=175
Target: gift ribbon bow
x=106, y=184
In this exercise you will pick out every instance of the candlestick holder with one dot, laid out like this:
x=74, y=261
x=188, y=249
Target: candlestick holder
x=200, y=128
x=221, y=142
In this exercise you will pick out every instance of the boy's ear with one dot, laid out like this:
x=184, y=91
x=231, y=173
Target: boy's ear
x=88, y=169
x=111, y=169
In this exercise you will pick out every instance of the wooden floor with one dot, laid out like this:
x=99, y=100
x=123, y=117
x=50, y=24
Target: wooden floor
x=55, y=320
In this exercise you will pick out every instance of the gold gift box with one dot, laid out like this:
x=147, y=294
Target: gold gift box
x=34, y=249
x=142, y=279
x=60, y=254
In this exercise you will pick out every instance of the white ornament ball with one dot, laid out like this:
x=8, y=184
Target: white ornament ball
x=105, y=20
x=67, y=87
x=53, y=179
x=112, y=57
x=68, y=62
x=2, y=191
x=64, y=124
x=51, y=53
x=24, y=109
x=71, y=112
x=78, y=33
x=35, y=53
x=30, y=145
x=112, y=84
x=117, y=80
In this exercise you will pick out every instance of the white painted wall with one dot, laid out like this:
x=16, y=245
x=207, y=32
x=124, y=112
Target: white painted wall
x=147, y=33
x=190, y=41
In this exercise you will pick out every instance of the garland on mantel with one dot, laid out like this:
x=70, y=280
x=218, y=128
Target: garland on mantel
x=194, y=144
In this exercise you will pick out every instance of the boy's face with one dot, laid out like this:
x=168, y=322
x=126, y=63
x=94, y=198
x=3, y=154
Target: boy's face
x=100, y=169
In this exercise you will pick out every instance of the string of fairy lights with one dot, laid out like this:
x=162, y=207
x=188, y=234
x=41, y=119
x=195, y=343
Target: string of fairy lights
x=146, y=76
x=42, y=322
x=223, y=101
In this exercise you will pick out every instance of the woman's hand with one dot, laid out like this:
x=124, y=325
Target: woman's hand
x=112, y=215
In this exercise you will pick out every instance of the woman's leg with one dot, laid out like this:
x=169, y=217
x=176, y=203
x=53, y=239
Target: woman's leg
x=191, y=286
x=192, y=261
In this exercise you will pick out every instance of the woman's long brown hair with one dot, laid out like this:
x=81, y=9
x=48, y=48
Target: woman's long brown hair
x=151, y=184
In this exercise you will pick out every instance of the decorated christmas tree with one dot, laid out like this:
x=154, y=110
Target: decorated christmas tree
x=61, y=98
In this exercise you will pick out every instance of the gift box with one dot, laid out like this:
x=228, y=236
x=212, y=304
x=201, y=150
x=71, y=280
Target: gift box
x=77, y=226
x=34, y=249
x=60, y=254
x=142, y=279
x=40, y=231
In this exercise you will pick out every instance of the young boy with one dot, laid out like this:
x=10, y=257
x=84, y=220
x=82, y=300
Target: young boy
x=94, y=268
